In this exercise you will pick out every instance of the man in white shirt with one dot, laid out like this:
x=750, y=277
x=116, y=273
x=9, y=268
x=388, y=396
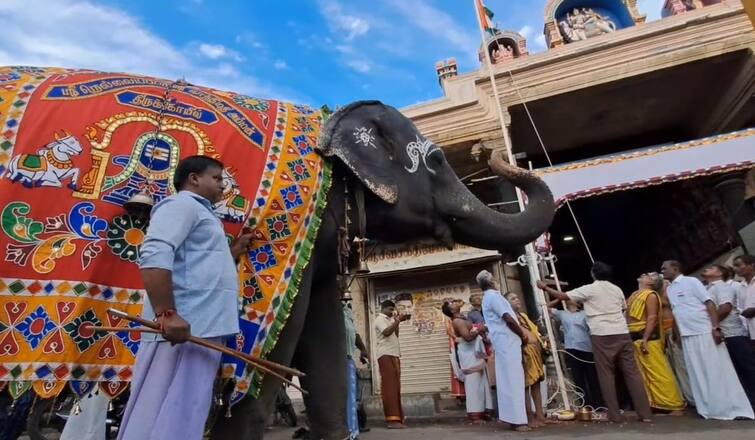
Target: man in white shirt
x=724, y=295
x=715, y=386
x=612, y=346
x=744, y=266
x=388, y=353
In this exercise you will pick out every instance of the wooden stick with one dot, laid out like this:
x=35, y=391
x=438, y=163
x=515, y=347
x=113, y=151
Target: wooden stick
x=206, y=344
x=254, y=359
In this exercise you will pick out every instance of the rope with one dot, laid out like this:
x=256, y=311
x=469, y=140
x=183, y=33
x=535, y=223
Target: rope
x=577, y=400
x=575, y=357
x=550, y=162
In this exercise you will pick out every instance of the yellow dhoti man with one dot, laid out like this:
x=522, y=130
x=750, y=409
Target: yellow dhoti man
x=660, y=383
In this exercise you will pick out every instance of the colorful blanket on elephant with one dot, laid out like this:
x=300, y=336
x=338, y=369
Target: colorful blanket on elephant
x=75, y=145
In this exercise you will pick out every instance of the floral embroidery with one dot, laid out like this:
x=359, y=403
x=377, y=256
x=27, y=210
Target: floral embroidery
x=125, y=235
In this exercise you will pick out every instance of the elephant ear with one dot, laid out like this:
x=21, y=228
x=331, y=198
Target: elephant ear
x=356, y=136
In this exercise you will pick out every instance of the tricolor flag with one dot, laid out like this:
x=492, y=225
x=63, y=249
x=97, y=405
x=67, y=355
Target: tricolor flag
x=486, y=15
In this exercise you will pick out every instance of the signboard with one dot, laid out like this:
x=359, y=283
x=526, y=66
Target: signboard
x=396, y=258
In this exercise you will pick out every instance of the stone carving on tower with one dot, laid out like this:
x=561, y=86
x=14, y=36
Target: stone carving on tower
x=581, y=24
x=504, y=46
x=568, y=21
x=676, y=7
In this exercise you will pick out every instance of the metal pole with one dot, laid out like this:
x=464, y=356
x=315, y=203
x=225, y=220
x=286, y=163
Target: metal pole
x=529, y=248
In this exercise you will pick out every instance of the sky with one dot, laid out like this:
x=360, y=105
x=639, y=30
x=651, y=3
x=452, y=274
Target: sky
x=313, y=52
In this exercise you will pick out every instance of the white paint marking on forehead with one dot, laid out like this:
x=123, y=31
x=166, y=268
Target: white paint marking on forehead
x=420, y=149
x=363, y=136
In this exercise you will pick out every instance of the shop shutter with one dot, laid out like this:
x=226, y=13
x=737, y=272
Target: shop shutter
x=425, y=365
x=424, y=360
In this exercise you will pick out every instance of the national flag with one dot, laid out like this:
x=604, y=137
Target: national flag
x=486, y=17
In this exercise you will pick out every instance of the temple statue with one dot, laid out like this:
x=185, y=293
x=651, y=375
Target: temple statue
x=582, y=24
x=502, y=53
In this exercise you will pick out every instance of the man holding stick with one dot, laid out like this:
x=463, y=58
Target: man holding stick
x=190, y=277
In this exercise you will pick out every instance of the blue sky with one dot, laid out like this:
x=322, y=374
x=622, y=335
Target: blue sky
x=309, y=51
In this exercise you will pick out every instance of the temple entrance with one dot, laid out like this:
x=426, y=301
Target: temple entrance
x=635, y=230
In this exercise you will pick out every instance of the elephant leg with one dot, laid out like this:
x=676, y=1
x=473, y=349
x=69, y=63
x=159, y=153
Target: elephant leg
x=249, y=417
x=322, y=352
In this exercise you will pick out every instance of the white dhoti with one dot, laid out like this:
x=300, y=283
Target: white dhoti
x=676, y=357
x=714, y=382
x=171, y=392
x=509, y=376
x=509, y=371
x=89, y=424
x=476, y=385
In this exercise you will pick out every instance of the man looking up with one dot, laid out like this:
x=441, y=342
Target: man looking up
x=715, y=386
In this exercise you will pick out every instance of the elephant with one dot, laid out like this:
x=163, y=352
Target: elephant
x=410, y=192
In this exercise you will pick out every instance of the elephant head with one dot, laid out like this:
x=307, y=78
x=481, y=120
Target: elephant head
x=414, y=191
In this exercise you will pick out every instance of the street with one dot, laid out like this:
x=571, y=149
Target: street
x=688, y=428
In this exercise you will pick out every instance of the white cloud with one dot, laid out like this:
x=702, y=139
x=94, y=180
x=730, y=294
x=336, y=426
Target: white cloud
x=217, y=51
x=437, y=24
x=250, y=40
x=527, y=32
x=535, y=41
x=344, y=29
x=225, y=69
x=360, y=65
x=80, y=34
x=280, y=65
x=339, y=21
x=539, y=42
x=651, y=7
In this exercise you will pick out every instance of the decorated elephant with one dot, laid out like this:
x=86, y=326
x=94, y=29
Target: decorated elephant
x=411, y=192
x=69, y=253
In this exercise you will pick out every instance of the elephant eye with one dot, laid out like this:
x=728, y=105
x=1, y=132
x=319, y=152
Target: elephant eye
x=436, y=157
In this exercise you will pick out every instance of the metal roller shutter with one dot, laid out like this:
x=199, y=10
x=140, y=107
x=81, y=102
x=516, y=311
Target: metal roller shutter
x=425, y=366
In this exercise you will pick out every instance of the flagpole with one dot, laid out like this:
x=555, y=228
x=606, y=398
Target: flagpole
x=534, y=271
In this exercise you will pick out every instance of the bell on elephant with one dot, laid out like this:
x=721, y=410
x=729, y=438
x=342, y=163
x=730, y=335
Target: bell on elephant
x=140, y=204
x=346, y=295
x=362, y=268
x=344, y=286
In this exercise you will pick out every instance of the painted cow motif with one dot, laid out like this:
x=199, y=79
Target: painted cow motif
x=50, y=166
x=233, y=206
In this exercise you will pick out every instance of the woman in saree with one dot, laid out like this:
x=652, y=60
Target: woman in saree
x=534, y=368
x=457, y=386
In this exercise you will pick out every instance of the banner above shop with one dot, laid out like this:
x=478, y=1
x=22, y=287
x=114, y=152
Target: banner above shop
x=651, y=166
x=399, y=258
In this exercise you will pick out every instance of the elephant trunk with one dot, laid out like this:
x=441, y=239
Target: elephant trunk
x=474, y=224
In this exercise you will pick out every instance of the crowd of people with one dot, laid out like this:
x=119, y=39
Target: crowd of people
x=674, y=344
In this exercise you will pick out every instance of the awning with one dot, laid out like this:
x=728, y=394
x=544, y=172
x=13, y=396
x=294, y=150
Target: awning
x=651, y=166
